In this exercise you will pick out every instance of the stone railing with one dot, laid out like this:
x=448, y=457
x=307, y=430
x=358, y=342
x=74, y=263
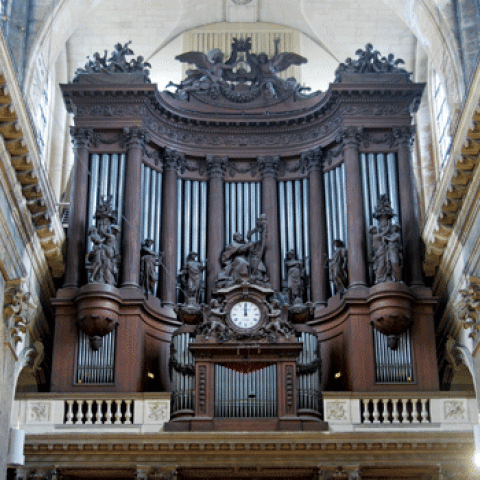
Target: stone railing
x=443, y=410
x=147, y=413
x=49, y=413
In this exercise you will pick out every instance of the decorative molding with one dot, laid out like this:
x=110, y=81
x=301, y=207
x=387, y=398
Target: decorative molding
x=270, y=166
x=136, y=137
x=468, y=307
x=337, y=410
x=17, y=311
x=39, y=412
x=156, y=411
x=455, y=410
x=216, y=166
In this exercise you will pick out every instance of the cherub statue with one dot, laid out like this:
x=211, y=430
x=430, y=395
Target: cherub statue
x=209, y=73
x=213, y=321
x=267, y=68
x=277, y=323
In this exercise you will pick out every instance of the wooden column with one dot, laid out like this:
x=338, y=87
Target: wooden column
x=215, y=220
x=357, y=269
x=169, y=228
x=318, y=237
x=268, y=167
x=408, y=202
x=76, y=245
x=136, y=140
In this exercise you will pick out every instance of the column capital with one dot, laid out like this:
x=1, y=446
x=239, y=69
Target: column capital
x=171, y=160
x=135, y=137
x=216, y=166
x=81, y=137
x=313, y=159
x=403, y=136
x=269, y=166
x=350, y=136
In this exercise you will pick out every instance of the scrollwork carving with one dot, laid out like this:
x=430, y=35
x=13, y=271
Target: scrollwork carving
x=468, y=306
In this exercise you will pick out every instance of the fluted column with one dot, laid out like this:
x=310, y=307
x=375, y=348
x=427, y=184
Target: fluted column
x=357, y=270
x=318, y=237
x=408, y=202
x=169, y=228
x=75, y=271
x=268, y=167
x=216, y=220
x=136, y=140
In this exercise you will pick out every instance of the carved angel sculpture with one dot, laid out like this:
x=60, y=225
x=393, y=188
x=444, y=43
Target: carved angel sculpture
x=209, y=72
x=267, y=68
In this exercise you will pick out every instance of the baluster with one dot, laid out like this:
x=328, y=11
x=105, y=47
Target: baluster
x=424, y=411
x=376, y=413
x=128, y=414
x=415, y=411
x=404, y=410
x=386, y=415
x=366, y=413
x=395, y=410
x=108, y=413
x=98, y=415
x=78, y=417
x=89, y=414
x=118, y=412
x=69, y=414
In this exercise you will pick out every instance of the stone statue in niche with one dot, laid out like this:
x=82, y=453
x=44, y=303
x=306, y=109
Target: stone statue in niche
x=386, y=244
x=243, y=260
x=295, y=278
x=148, y=266
x=337, y=266
x=102, y=260
x=191, y=277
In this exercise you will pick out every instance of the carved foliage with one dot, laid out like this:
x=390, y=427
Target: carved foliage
x=17, y=310
x=468, y=306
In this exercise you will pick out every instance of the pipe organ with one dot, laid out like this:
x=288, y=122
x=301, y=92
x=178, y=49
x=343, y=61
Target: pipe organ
x=247, y=261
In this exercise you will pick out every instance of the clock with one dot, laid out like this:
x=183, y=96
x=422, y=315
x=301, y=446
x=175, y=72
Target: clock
x=245, y=315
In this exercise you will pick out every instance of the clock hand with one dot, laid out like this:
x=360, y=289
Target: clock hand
x=245, y=309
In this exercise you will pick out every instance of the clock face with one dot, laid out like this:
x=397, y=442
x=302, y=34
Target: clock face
x=245, y=315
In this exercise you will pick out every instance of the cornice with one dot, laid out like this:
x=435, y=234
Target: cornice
x=19, y=138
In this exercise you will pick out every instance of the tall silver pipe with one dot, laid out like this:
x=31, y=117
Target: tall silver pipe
x=258, y=197
x=338, y=190
x=187, y=219
x=146, y=202
x=180, y=213
x=203, y=222
x=306, y=225
x=233, y=206
x=227, y=208
x=92, y=195
x=121, y=192
x=153, y=205
x=333, y=200
x=365, y=188
x=158, y=213
x=240, y=208
x=290, y=217
x=195, y=216
x=328, y=211
x=344, y=204
x=283, y=225
x=372, y=167
x=253, y=214
x=393, y=182
x=298, y=219
x=104, y=170
x=382, y=174
x=246, y=213
x=113, y=179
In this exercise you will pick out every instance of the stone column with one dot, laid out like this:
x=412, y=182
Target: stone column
x=76, y=245
x=318, y=237
x=169, y=228
x=357, y=269
x=215, y=220
x=268, y=167
x=136, y=140
x=408, y=203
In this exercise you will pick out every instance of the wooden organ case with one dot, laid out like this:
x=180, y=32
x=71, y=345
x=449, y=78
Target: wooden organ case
x=242, y=243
